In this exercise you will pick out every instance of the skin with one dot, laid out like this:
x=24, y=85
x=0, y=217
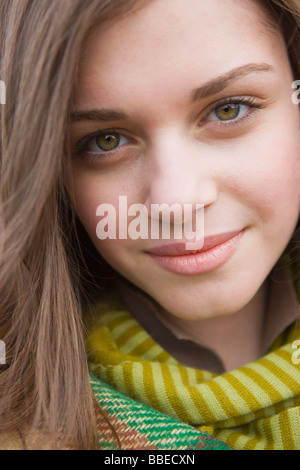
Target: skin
x=245, y=173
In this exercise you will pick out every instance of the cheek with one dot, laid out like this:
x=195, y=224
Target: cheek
x=280, y=186
x=268, y=181
x=90, y=190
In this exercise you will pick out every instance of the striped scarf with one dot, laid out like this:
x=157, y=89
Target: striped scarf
x=254, y=407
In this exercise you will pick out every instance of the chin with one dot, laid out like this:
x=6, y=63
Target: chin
x=201, y=304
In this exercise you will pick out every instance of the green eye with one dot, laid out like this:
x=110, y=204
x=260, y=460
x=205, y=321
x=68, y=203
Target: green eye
x=227, y=112
x=108, y=141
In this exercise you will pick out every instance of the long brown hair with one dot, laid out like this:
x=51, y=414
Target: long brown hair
x=46, y=382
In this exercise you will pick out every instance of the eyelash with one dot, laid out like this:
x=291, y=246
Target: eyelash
x=250, y=101
x=81, y=147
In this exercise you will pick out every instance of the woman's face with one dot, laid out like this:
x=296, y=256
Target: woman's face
x=197, y=102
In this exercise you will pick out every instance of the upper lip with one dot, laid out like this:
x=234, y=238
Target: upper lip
x=179, y=249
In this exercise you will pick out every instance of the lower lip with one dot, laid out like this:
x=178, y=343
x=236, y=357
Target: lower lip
x=199, y=263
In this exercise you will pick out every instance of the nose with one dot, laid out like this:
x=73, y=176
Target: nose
x=180, y=172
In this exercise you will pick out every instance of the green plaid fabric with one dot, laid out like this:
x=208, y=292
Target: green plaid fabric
x=131, y=425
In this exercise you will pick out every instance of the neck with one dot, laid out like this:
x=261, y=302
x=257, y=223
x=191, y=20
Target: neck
x=223, y=343
x=237, y=338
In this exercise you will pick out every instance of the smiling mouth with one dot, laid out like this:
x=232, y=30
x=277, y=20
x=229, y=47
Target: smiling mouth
x=216, y=251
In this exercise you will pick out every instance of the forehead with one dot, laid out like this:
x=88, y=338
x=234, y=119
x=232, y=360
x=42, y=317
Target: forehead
x=167, y=44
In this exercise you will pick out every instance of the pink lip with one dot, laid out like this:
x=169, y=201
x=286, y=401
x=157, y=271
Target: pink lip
x=216, y=251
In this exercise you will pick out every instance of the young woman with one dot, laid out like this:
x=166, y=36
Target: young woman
x=153, y=104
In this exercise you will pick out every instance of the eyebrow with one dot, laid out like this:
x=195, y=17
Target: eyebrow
x=98, y=115
x=220, y=83
x=210, y=88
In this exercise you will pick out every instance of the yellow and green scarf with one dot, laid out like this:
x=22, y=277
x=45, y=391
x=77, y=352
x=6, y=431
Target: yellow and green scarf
x=254, y=407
